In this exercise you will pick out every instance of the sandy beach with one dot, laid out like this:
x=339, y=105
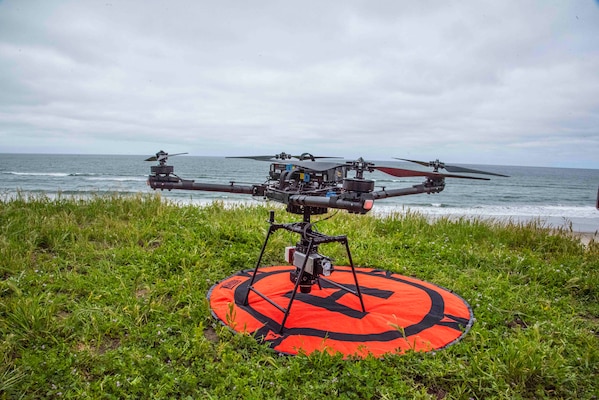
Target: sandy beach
x=586, y=237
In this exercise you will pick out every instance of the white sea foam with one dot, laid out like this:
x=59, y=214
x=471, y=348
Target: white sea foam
x=118, y=178
x=53, y=174
x=580, y=219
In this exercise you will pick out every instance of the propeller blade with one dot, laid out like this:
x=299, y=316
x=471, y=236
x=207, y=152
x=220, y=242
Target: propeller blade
x=257, y=158
x=451, y=168
x=424, y=164
x=405, y=173
x=308, y=156
x=455, y=168
x=302, y=157
x=162, y=155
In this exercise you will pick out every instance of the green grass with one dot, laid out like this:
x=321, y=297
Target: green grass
x=106, y=298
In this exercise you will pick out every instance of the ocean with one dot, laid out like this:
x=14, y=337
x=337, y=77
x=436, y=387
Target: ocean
x=558, y=197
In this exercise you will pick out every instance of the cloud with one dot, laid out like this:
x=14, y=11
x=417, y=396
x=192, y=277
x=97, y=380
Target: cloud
x=472, y=81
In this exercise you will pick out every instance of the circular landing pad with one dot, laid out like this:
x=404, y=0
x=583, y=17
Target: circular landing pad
x=402, y=313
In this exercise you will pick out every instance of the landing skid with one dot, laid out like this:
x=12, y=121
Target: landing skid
x=304, y=279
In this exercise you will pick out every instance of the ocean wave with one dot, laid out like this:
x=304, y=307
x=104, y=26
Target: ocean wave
x=577, y=218
x=119, y=178
x=500, y=211
x=84, y=176
x=55, y=174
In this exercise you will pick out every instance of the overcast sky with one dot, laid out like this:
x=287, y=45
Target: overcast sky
x=491, y=82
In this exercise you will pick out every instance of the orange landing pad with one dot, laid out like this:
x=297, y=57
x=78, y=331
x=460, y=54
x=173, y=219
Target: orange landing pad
x=402, y=313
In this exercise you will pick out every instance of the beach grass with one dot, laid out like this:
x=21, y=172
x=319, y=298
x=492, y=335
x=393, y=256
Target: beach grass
x=106, y=298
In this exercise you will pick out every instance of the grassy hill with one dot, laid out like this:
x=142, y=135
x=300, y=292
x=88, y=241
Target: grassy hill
x=106, y=298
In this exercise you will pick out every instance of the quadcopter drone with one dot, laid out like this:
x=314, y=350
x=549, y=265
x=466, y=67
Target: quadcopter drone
x=308, y=186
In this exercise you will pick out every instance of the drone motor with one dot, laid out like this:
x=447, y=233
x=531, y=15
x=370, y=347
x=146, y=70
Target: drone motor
x=358, y=185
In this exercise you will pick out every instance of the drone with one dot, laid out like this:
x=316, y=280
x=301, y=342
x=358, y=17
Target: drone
x=311, y=185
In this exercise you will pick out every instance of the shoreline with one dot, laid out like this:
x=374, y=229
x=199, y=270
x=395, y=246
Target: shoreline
x=586, y=237
x=581, y=228
x=584, y=228
x=588, y=226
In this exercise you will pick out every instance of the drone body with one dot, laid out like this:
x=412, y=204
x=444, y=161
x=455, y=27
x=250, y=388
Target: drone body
x=307, y=186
